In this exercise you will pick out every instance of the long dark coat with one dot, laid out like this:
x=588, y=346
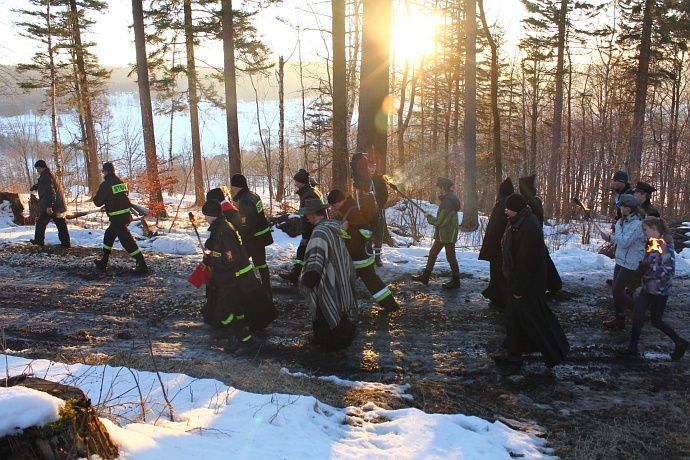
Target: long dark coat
x=498, y=221
x=530, y=324
x=50, y=192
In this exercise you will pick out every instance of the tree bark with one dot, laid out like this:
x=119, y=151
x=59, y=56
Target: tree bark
x=234, y=154
x=340, y=153
x=280, y=184
x=470, y=218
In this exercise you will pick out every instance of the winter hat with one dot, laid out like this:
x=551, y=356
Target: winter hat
x=629, y=201
x=301, y=176
x=444, y=182
x=238, y=180
x=336, y=196
x=516, y=202
x=312, y=205
x=620, y=176
x=40, y=164
x=645, y=187
x=212, y=208
x=215, y=194
x=108, y=167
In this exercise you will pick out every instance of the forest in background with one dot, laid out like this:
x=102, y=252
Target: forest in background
x=591, y=87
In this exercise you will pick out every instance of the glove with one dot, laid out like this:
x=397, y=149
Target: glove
x=207, y=260
x=34, y=188
x=641, y=269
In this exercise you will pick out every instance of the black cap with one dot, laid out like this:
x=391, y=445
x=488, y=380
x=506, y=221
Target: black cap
x=620, y=176
x=238, y=180
x=40, y=164
x=108, y=167
x=312, y=206
x=212, y=208
x=645, y=187
x=215, y=194
x=301, y=176
x=516, y=202
x=336, y=196
x=444, y=182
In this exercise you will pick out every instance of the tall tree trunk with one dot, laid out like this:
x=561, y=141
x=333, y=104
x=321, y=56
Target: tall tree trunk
x=470, y=220
x=372, y=127
x=57, y=146
x=280, y=186
x=193, y=105
x=557, y=129
x=340, y=154
x=235, y=156
x=634, y=162
x=495, y=114
x=84, y=97
x=154, y=188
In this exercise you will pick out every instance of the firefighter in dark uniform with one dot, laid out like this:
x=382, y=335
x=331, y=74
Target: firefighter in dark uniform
x=306, y=192
x=114, y=195
x=230, y=269
x=254, y=229
x=356, y=234
x=380, y=190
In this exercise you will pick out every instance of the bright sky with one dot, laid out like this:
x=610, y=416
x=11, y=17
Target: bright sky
x=114, y=37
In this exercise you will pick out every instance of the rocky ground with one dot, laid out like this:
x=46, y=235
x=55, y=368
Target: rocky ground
x=594, y=406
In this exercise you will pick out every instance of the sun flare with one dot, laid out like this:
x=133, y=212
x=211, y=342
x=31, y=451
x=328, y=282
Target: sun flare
x=413, y=36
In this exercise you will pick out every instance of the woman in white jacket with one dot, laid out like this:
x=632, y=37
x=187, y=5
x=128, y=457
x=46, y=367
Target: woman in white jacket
x=630, y=248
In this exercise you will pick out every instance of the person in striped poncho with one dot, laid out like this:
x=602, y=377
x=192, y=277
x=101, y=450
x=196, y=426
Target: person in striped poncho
x=328, y=280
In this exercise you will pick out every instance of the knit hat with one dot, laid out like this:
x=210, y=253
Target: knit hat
x=312, y=205
x=620, y=176
x=645, y=187
x=444, y=182
x=212, y=208
x=301, y=176
x=40, y=164
x=238, y=180
x=336, y=196
x=108, y=167
x=628, y=200
x=516, y=202
x=215, y=194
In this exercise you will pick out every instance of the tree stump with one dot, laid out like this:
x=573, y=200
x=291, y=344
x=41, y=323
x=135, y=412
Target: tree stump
x=78, y=434
x=16, y=205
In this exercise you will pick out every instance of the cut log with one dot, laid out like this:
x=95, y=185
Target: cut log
x=78, y=434
x=16, y=205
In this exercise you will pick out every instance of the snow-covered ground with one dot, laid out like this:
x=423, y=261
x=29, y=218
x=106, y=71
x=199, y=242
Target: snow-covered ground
x=215, y=421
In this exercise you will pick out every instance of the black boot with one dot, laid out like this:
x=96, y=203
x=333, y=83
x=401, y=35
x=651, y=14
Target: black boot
x=454, y=283
x=140, y=268
x=102, y=263
x=422, y=277
x=266, y=280
x=293, y=275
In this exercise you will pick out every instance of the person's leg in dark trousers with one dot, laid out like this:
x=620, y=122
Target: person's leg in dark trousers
x=621, y=300
x=641, y=305
x=431, y=261
x=63, y=232
x=452, y=259
x=293, y=275
x=108, y=241
x=258, y=256
x=40, y=230
x=377, y=288
x=127, y=242
x=377, y=226
x=657, y=305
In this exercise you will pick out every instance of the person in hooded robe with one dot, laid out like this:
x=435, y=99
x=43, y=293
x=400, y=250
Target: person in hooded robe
x=491, y=248
x=531, y=326
x=529, y=191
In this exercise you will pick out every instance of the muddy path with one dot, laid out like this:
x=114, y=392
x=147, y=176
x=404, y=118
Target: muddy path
x=593, y=406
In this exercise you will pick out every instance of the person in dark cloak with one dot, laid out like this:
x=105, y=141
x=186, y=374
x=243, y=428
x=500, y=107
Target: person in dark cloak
x=529, y=191
x=491, y=248
x=531, y=326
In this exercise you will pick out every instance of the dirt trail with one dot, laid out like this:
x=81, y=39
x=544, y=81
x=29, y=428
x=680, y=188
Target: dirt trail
x=593, y=406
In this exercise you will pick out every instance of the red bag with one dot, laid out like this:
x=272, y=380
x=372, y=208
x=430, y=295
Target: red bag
x=200, y=275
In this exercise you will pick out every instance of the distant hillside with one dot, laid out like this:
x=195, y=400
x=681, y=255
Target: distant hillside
x=13, y=101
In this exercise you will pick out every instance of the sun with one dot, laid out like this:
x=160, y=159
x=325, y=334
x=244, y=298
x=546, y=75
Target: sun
x=413, y=35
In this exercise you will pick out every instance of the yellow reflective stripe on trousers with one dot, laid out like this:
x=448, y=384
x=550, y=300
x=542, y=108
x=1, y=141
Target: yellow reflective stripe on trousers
x=229, y=319
x=105, y=246
x=364, y=263
x=117, y=213
x=265, y=230
x=244, y=270
x=299, y=262
x=382, y=294
x=135, y=252
x=259, y=267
